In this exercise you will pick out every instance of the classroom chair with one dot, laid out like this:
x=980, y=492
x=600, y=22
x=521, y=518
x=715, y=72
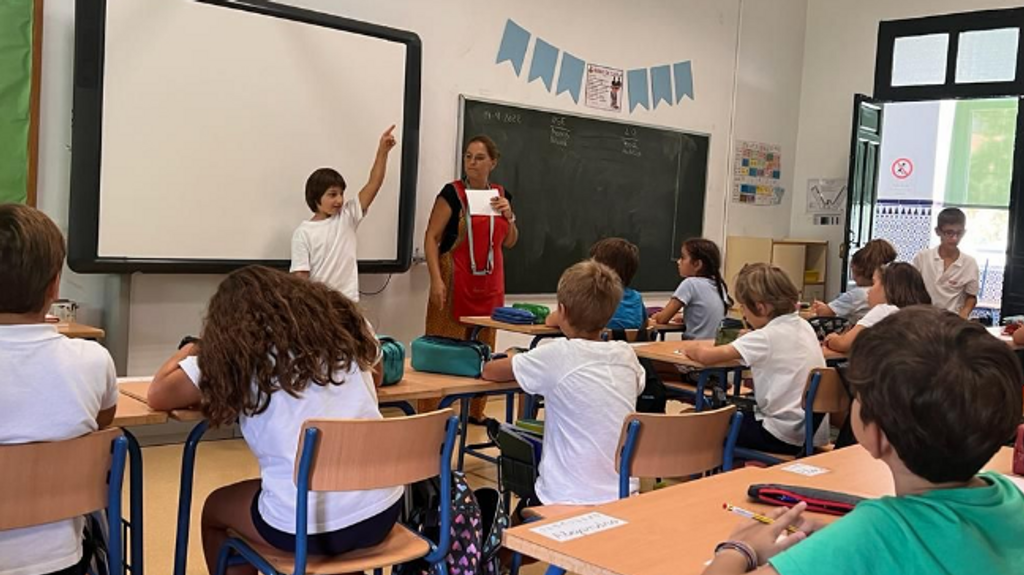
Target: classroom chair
x=52, y=481
x=659, y=445
x=350, y=455
x=824, y=394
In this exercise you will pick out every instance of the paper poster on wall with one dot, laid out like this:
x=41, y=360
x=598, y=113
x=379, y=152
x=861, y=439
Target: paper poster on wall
x=826, y=196
x=604, y=88
x=757, y=175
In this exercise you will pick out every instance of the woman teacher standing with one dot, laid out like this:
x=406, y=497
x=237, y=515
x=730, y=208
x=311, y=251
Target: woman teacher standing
x=464, y=253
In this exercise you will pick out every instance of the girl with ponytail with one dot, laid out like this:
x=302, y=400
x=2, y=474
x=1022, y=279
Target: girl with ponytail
x=702, y=296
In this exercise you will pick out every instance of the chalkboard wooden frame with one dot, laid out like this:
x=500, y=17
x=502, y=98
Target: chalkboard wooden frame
x=662, y=261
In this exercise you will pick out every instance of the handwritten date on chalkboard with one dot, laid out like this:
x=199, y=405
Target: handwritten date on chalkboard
x=503, y=117
x=631, y=142
x=560, y=133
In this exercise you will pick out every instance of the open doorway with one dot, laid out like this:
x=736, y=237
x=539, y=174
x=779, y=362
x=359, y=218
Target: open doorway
x=949, y=153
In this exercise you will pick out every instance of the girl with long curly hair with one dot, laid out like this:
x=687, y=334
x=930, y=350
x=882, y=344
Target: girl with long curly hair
x=275, y=351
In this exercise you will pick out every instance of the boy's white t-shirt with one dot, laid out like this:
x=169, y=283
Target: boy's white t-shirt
x=51, y=389
x=273, y=437
x=781, y=355
x=877, y=314
x=327, y=249
x=703, y=307
x=948, y=287
x=851, y=304
x=589, y=388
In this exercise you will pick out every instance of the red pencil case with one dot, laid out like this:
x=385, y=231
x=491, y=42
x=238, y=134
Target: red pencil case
x=818, y=500
x=1018, y=452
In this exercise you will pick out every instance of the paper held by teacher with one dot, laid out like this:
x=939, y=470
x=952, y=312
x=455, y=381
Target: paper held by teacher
x=480, y=202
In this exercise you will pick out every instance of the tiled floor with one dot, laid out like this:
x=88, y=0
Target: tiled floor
x=227, y=461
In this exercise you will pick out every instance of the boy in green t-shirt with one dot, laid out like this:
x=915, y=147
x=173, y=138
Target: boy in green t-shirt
x=935, y=398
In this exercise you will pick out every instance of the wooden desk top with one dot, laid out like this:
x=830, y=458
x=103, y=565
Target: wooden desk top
x=79, y=330
x=675, y=530
x=674, y=352
x=132, y=412
x=137, y=388
x=534, y=330
x=415, y=385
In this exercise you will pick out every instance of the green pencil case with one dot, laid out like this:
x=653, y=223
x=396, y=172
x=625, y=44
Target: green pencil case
x=539, y=311
x=392, y=357
x=449, y=356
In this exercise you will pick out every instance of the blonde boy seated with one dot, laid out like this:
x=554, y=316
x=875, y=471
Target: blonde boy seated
x=589, y=387
x=51, y=388
x=935, y=397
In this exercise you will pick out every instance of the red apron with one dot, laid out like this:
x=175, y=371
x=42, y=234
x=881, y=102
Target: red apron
x=478, y=271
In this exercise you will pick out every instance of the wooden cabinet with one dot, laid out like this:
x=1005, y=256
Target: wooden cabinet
x=804, y=261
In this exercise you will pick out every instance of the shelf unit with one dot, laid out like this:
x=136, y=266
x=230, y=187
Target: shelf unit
x=800, y=259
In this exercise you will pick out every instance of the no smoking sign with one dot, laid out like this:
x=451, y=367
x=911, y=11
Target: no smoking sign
x=902, y=168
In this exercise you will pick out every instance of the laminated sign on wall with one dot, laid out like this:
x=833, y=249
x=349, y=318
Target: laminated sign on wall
x=757, y=174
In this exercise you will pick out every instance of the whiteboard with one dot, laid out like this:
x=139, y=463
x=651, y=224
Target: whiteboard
x=211, y=119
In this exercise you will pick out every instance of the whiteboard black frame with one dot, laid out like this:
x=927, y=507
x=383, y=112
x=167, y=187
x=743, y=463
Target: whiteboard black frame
x=87, y=133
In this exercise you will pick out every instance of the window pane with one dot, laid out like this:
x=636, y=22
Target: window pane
x=919, y=60
x=987, y=56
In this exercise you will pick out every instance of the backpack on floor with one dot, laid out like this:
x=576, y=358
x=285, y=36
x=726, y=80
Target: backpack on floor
x=466, y=552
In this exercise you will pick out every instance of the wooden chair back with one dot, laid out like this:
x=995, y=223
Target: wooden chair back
x=50, y=481
x=356, y=454
x=677, y=445
x=831, y=397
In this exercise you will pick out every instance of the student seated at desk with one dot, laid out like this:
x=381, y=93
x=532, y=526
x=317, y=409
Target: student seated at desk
x=781, y=352
x=589, y=387
x=895, y=286
x=853, y=304
x=278, y=350
x=702, y=295
x=624, y=258
x=51, y=388
x=935, y=397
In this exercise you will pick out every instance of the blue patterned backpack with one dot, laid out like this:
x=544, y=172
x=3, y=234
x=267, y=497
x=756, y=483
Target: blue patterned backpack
x=472, y=551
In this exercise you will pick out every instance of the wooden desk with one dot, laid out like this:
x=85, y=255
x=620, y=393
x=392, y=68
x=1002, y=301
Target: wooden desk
x=80, y=331
x=132, y=412
x=534, y=330
x=137, y=389
x=674, y=352
x=675, y=530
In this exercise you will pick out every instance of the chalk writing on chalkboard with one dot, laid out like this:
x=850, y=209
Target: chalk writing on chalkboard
x=631, y=142
x=503, y=117
x=560, y=134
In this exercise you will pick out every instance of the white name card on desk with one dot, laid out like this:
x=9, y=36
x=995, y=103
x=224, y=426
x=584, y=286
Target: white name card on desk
x=580, y=526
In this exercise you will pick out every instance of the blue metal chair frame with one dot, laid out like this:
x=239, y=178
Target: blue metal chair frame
x=131, y=529
x=115, y=483
x=626, y=465
x=809, y=428
x=235, y=548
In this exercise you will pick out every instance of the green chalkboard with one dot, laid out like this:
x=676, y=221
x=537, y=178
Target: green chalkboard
x=18, y=29
x=576, y=179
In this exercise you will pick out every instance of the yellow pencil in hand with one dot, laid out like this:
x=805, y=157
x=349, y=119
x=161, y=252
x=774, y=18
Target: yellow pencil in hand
x=755, y=516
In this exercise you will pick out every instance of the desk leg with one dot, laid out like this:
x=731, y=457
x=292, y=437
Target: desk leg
x=702, y=384
x=510, y=409
x=188, y=463
x=475, y=333
x=135, y=499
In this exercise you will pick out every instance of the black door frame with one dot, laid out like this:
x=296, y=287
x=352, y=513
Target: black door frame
x=954, y=25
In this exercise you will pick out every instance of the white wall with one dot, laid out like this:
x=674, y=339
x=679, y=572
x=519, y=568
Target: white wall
x=460, y=43
x=839, y=61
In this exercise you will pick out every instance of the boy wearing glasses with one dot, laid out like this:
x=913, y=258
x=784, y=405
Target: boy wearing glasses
x=950, y=275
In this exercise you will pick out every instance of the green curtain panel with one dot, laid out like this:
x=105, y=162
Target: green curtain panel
x=15, y=95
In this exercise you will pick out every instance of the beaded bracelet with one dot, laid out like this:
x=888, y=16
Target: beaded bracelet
x=746, y=550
